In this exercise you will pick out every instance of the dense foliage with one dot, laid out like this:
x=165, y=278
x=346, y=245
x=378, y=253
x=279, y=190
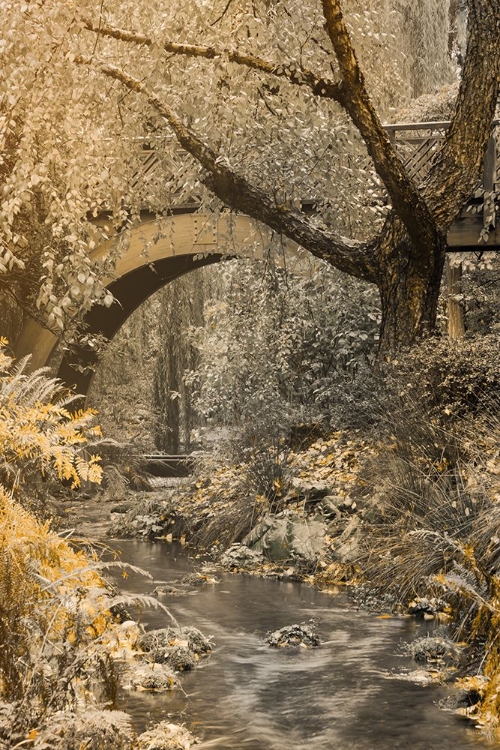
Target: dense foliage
x=277, y=349
x=277, y=111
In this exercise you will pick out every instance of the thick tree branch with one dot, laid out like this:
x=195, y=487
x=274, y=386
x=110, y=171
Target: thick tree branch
x=294, y=74
x=455, y=172
x=406, y=199
x=347, y=255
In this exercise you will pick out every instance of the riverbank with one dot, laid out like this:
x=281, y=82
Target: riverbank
x=68, y=643
x=409, y=528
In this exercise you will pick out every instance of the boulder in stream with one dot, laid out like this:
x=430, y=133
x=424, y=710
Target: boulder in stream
x=427, y=608
x=287, y=535
x=166, y=736
x=187, y=583
x=293, y=635
x=433, y=650
x=179, y=648
x=241, y=556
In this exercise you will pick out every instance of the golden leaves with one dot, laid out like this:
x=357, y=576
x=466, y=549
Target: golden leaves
x=36, y=426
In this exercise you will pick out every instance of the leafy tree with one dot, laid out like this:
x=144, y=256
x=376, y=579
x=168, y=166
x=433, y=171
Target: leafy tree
x=180, y=308
x=59, y=167
x=276, y=101
x=276, y=349
x=255, y=93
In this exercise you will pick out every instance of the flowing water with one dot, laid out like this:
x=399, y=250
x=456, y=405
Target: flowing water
x=340, y=696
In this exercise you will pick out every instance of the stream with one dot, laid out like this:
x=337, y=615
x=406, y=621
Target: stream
x=340, y=696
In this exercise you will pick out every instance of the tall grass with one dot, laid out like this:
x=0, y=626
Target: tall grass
x=433, y=528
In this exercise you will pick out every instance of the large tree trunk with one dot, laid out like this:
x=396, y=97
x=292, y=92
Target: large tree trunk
x=409, y=283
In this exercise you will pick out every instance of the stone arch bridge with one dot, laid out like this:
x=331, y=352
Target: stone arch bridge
x=157, y=252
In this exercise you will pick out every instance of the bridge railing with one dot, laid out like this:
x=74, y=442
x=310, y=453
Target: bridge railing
x=417, y=144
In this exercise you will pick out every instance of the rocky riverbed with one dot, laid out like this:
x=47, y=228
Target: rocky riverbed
x=310, y=527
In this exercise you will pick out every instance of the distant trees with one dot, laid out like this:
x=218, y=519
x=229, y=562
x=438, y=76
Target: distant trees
x=277, y=349
x=180, y=307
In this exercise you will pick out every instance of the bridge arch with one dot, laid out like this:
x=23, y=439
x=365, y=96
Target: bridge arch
x=150, y=256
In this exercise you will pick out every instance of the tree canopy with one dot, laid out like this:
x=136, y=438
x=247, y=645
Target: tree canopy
x=272, y=102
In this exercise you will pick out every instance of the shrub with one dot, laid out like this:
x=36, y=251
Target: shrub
x=276, y=343
x=452, y=378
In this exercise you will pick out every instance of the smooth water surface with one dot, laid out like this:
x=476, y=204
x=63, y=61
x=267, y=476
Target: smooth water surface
x=340, y=696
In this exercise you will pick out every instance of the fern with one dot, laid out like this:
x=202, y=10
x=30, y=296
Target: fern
x=37, y=431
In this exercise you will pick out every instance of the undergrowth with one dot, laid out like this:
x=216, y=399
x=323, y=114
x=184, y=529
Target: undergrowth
x=53, y=610
x=54, y=605
x=433, y=529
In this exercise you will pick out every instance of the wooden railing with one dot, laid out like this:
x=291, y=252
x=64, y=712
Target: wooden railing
x=419, y=141
x=417, y=144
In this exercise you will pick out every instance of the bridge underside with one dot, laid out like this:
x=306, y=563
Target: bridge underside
x=130, y=291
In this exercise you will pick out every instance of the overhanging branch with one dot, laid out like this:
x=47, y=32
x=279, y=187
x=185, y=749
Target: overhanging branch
x=236, y=192
x=293, y=73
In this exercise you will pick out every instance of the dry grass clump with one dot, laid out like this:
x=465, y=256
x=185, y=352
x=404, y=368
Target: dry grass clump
x=434, y=530
x=227, y=511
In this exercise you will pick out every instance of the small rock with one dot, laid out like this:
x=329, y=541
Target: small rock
x=433, y=650
x=121, y=508
x=166, y=736
x=331, y=506
x=293, y=635
x=310, y=490
x=241, y=556
x=156, y=678
x=421, y=606
x=461, y=699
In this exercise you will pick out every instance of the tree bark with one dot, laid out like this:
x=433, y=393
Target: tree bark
x=409, y=289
